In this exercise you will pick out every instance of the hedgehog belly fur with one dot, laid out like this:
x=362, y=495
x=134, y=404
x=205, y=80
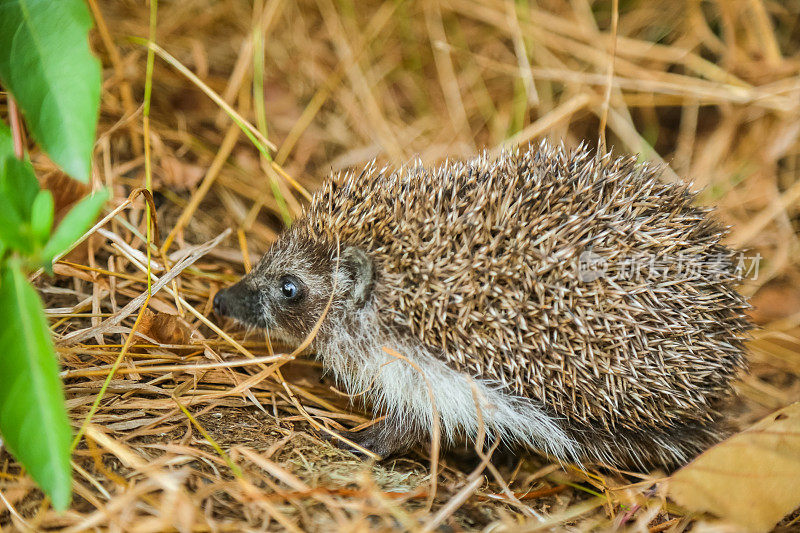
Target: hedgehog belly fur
x=401, y=388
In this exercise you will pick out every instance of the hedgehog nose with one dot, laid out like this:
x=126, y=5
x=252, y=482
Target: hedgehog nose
x=219, y=303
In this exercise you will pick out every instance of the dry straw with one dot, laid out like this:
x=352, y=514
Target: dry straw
x=709, y=88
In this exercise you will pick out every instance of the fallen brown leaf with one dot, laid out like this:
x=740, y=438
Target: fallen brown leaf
x=66, y=191
x=164, y=328
x=752, y=478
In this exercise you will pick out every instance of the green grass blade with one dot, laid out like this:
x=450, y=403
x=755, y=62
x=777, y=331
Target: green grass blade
x=33, y=419
x=46, y=64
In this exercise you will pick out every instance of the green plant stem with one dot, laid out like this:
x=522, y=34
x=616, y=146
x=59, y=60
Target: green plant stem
x=148, y=167
x=261, y=113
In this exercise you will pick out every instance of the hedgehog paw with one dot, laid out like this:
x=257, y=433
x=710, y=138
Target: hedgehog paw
x=381, y=438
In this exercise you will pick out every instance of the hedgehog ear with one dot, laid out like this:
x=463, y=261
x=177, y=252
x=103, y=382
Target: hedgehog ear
x=358, y=267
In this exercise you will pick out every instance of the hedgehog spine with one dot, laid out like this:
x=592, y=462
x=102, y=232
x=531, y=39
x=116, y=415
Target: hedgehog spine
x=474, y=270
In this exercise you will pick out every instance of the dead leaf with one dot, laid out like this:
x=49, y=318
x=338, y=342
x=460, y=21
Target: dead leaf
x=752, y=478
x=66, y=191
x=164, y=328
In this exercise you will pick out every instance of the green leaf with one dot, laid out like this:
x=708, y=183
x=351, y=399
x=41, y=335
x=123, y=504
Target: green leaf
x=6, y=142
x=46, y=64
x=12, y=228
x=19, y=184
x=42, y=216
x=33, y=419
x=17, y=180
x=18, y=189
x=74, y=224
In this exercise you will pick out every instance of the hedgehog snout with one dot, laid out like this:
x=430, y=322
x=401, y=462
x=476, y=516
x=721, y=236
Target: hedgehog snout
x=241, y=302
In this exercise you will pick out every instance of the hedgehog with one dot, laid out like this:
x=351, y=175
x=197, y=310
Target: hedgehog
x=569, y=302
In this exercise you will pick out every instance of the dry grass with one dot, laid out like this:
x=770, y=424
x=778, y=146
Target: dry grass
x=180, y=440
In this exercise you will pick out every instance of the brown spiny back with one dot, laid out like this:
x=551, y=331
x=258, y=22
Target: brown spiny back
x=481, y=259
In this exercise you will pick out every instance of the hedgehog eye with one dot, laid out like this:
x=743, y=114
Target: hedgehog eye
x=290, y=289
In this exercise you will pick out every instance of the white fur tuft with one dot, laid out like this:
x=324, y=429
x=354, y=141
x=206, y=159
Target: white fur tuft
x=357, y=358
